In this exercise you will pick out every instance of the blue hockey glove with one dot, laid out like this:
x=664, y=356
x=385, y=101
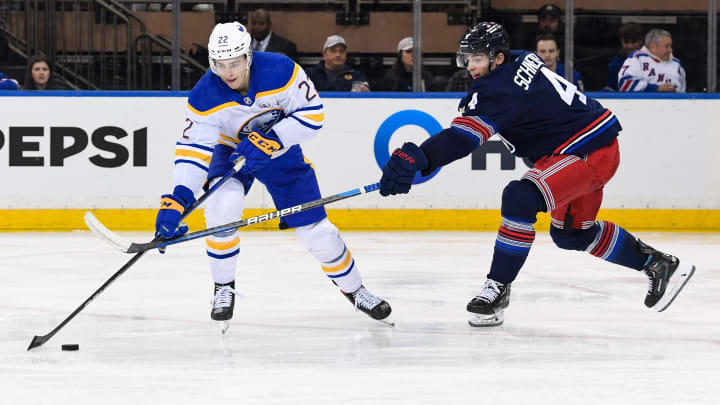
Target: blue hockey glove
x=257, y=148
x=400, y=170
x=172, y=207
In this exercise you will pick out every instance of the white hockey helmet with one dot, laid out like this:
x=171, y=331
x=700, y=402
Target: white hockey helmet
x=228, y=41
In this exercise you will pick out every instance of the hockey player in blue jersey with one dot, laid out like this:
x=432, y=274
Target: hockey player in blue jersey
x=261, y=106
x=571, y=139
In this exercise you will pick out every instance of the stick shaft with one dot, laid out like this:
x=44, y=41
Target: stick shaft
x=40, y=340
x=141, y=247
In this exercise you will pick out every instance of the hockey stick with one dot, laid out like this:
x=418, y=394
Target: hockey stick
x=133, y=247
x=41, y=340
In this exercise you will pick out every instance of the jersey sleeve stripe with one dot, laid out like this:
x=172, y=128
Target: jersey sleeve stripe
x=473, y=126
x=315, y=117
x=283, y=88
x=310, y=108
x=192, y=154
x=212, y=110
x=195, y=146
x=315, y=127
x=229, y=139
x=191, y=162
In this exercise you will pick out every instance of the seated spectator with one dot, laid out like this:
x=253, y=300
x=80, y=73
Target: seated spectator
x=7, y=83
x=400, y=75
x=653, y=67
x=38, y=75
x=459, y=81
x=548, y=22
x=549, y=19
x=332, y=73
x=631, y=40
x=547, y=48
x=264, y=40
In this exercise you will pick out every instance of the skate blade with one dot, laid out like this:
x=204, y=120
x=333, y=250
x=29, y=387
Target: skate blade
x=484, y=321
x=678, y=280
x=387, y=322
x=224, y=326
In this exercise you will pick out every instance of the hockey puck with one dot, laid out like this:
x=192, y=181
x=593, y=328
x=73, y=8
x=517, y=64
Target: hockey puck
x=71, y=347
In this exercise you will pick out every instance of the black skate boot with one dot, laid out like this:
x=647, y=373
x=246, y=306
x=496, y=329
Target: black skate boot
x=489, y=306
x=666, y=277
x=223, y=302
x=376, y=308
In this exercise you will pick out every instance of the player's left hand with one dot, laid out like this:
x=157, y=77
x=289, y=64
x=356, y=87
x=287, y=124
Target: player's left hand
x=257, y=148
x=399, y=171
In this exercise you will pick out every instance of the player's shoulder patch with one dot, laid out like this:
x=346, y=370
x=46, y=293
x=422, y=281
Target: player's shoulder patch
x=272, y=73
x=208, y=95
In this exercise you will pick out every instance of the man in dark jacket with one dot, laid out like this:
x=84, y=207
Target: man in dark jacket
x=333, y=74
x=264, y=40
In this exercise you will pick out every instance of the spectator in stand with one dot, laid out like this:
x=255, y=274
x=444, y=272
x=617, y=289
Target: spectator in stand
x=7, y=83
x=332, y=73
x=549, y=19
x=653, y=67
x=547, y=48
x=459, y=82
x=264, y=40
x=631, y=40
x=548, y=22
x=400, y=75
x=38, y=75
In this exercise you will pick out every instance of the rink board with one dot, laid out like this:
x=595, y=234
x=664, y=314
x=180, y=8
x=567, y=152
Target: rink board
x=113, y=153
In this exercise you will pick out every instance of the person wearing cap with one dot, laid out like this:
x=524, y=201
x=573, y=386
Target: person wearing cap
x=631, y=40
x=333, y=73
x=265, y=40
x=400, y=75
x=549, y=18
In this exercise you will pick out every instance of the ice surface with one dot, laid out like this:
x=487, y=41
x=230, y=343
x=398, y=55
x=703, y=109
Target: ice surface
x=576, y=331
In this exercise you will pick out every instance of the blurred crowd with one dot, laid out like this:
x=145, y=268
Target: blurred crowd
x=644, y=61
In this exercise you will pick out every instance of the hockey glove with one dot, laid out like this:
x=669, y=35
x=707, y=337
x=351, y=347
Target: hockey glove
x=172, y=207
x=400, y=170
x=257, y=148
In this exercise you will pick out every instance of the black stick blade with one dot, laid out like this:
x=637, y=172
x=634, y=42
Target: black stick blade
x=37, y=341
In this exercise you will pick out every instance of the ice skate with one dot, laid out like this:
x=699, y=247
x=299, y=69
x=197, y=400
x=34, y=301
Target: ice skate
x=223, y=304
x=666, y=277
x=376, y=308
x=488, y=307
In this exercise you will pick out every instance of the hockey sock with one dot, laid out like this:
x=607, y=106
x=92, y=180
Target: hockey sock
x=222, y=251
x=512, y=246
x=521, y=201
x=223, y=248
x=322, y=239
x=616, y=245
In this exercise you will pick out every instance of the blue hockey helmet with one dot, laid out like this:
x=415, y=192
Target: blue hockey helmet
x=489, y=38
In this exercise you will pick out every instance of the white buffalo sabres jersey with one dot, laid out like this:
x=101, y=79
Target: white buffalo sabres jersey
x=643, y=71
x=280, y=97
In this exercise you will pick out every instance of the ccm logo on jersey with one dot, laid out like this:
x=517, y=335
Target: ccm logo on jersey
x=266, y=145
x=404, y=156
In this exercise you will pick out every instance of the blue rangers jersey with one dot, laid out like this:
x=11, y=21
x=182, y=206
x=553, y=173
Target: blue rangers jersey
x=280, y=97
x=534, y=111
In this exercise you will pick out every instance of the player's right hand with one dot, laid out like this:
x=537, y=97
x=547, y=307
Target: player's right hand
x=172, y=207
x=399, y=171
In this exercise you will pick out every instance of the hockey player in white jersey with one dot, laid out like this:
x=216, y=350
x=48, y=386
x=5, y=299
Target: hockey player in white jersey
x=261, y=106
x=653, y=67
